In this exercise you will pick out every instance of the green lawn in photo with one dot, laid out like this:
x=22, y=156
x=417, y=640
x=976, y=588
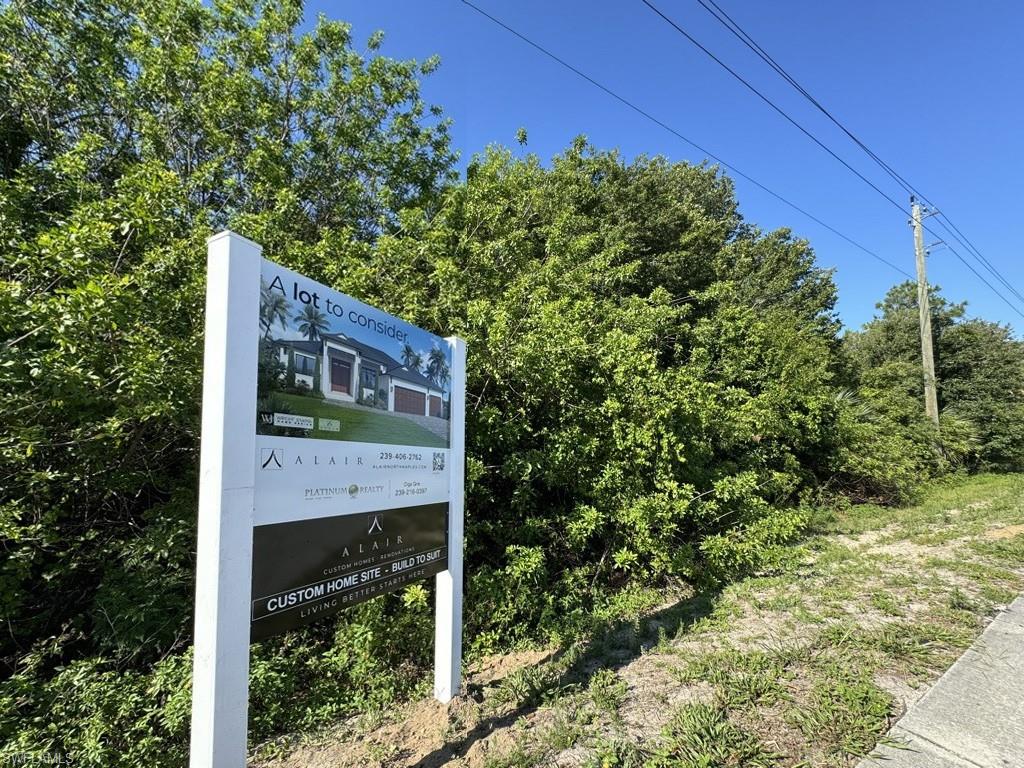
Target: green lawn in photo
x=361, y=424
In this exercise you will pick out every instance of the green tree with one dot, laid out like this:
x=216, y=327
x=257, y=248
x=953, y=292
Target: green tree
x=311, y=322
x=437, y=366
x=635, y=411
x=411, y=359
x=274, y=308
x=894, y=333
x=656, y=387
x=981, y=368
x=978, y=366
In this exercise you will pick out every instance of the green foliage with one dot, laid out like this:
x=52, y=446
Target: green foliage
x=93, y=713
x=647, y=372
x=745, y=679
x=758, y=545
x=616, y=753
x=979, y=366
x=702, y=736
x=527, y=686
x=845, y=713
x=607, y=691
x=885, y=445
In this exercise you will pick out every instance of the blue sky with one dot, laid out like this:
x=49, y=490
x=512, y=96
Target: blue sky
x=934, y=89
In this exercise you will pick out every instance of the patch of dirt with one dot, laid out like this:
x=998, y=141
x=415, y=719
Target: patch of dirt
x=419, y=733
x=1006, y=532
x=772, y=729
x=865, y=539
x=493, y=745
x=904, y=695
x=421, y=730
x=653, y=693
x=775, y=631
x=868, y=618
x=910, y=553
x=493, y=668
x=574, y=757
x=418, y=729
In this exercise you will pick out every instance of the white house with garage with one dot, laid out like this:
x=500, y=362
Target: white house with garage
x=345, y=370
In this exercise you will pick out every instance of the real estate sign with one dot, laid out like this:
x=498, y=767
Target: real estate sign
x=352, y=452
x=332, y=472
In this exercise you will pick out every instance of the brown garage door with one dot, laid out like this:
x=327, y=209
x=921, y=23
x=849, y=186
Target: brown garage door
x=409, y=401
x=435, y=405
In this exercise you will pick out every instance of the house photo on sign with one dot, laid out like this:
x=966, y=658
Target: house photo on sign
x=352, y=453
x=333, y=368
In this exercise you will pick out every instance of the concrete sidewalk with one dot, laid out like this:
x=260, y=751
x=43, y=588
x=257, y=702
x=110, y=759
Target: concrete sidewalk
x=974, y=715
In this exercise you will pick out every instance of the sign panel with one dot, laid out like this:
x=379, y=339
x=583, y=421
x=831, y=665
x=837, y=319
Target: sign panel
x=352, y=453
x=316, y=567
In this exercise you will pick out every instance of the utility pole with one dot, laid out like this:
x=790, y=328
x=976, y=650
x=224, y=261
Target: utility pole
x=931, y=401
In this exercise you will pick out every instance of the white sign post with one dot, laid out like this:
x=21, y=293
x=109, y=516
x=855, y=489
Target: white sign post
x=448, y=621
x=220, y=676
x=226, y=607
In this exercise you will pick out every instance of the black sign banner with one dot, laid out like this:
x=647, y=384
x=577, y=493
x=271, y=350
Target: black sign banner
x=308, y=569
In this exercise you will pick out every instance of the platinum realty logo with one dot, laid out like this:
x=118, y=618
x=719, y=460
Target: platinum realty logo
x=315, y=494
x=352, y=491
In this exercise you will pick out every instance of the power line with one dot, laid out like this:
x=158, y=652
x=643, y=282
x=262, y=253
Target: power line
x=772, y=104
x=980, y=277
x=677, y=134
x=961, y=238
x=967, y=264
x=781, y=71
x=729, y=23
x=976, y=254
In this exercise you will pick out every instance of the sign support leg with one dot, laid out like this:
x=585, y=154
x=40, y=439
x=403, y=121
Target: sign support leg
x=220, y=677
x=448, y=622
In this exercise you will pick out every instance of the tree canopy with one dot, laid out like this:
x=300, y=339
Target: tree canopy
x=979, y=366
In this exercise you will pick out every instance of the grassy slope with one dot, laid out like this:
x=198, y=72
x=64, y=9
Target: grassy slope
x=361, y=424
x=806, y=666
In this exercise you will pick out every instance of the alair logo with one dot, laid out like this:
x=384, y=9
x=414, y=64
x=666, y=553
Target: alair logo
x=272, y=458
x=376, y=525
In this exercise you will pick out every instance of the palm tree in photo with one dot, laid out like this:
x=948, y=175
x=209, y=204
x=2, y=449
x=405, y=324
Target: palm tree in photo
x=312, y=322
x=274, y=308
x=411, y=359
x=437, y=367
